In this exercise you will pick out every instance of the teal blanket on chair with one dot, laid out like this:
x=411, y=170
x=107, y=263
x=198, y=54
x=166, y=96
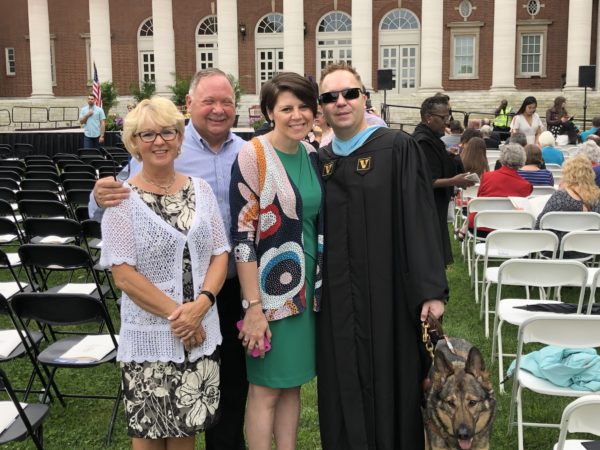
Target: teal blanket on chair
x=578, y=369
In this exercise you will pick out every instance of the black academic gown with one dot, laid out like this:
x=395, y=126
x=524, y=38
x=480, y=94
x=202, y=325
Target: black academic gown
x=441, y=165
x=383, y=258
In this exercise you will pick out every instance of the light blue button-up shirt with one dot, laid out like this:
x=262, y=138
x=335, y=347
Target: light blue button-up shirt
x=91, y=128
x=197, y=159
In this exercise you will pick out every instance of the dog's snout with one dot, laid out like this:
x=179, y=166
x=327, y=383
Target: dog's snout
x=463, y=432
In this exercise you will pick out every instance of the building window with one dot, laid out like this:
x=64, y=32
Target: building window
x=399, y=19
x=207, y=44
x=9, y=54
x=334, y=40
x=465, y=9
x=147, y=70
x=272, y=23
x=268, y=41
x=531, y=54
x=464, y=56
x=147, y=29
x=335, y=22
x=533, y=7
x=399, y=41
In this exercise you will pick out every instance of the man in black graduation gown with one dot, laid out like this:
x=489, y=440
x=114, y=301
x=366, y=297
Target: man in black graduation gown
x=446, y=169
x=384, y=271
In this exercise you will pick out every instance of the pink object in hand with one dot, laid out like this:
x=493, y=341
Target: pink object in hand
x=255, y=351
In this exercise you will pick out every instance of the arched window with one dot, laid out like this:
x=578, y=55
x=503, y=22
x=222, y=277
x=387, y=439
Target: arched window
x=268, y=39
x=399, y=41
x=271, y=23
x=147, y=28
x=335, y=21
x=207, y=43
x=146, y=51
x=399, y=19
x=334, y=40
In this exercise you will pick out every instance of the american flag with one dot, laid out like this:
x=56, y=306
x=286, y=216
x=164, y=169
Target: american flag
x=96, y=88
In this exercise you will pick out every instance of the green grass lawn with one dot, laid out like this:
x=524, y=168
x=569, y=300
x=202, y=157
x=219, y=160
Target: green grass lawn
x=83, y=423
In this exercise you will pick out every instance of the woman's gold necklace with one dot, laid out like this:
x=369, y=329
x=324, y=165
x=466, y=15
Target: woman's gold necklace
x=164, y=187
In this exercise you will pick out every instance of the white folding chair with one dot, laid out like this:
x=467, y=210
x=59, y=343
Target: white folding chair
x=496, y=220
x=562, y=330
x=509, y=244
x=483, y=204
x=543, y=190
x=566, y=221
x=580, y=416
x=538, y=273
x=466, y=195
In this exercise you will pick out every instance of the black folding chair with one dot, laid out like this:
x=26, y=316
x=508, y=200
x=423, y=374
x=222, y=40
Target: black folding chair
x=7, y=173
x=77, y=198
x=40, y=261
x=7, y=211
x=20, y=165
x=84, y=184
x=23, y=348
x=11, y=262
x=37, y=195
x=45, y=184
x=44, y=164
x=82, y=213
x=77, y=176
x=37, y=158
x=65, y=310
x=10, y=233
x=42, y=175
x=29, y=419
x=43, y=208
x=85, y=151
x=6, y=151
x=92, y=238
x=52, y=231
x=9, y=184
x=81, y=167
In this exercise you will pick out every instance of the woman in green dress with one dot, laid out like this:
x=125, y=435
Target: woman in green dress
x=276, y=199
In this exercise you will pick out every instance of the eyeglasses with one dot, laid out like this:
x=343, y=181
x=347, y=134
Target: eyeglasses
x=348, y=94
x=168, y=134
x=445, y=118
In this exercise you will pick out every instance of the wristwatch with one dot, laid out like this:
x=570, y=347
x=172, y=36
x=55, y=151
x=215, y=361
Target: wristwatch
x=247, y=304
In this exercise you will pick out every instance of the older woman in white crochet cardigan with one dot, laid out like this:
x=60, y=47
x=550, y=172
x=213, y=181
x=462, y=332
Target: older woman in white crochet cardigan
x=167, y=248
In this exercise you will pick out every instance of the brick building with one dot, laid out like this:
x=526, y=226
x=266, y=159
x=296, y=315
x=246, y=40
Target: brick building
x=473, y=47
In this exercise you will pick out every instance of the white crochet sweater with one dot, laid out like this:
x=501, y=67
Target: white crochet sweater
x=133, y=234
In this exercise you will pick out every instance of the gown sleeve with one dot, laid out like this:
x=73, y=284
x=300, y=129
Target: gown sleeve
x=420, y=247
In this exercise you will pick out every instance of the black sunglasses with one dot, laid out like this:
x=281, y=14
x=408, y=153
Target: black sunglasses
x=348, y=94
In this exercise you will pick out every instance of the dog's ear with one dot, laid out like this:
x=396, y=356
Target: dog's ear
x=475, y=364
x=443, y=367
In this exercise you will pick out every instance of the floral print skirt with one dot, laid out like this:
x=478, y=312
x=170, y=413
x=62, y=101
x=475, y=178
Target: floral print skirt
x=168, y=399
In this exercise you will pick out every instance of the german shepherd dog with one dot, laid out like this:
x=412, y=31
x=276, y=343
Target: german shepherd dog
x=460, y=402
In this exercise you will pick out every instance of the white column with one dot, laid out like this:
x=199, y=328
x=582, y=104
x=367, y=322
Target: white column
x=100, y=38
x=39, y=48
x=362, y=39
x=293, y=36
x=164, y=45
x=432, y=39
x=505, y=35
x=578, y=40
x=227, y=37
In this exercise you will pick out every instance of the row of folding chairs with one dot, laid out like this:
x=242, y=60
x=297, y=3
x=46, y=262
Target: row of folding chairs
x=51, y=311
